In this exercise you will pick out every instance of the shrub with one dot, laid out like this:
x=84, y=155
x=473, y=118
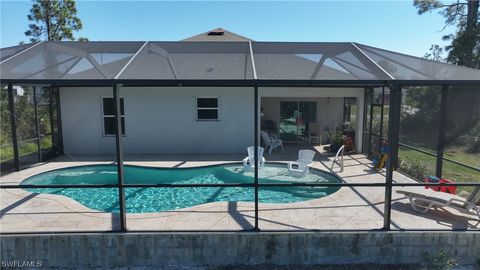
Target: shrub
x=472, y=140
x=417, y=169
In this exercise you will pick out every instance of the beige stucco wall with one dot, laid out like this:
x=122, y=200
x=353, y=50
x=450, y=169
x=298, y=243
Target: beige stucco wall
x=161, y=120
x=158, y=121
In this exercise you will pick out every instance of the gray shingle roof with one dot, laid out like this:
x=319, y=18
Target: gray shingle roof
x=217, y=34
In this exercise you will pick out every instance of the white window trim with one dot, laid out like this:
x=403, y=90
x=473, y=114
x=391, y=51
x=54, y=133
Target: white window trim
x=113, y=115
x=195, y=99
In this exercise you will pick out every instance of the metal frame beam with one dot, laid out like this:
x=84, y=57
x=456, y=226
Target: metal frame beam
x=209, y=82
x=370, y=124
x=119, y=156
x=130, y=61
x=238, y=82
x=441, y=131
x=364, y=123
x=393, y=137
x=381, y=119
x=374, y=68
x=255, y=115
x=52, y=124
x=13, y=126
x=37, y=124
x=59, y=120
x=318, y=67
x=252, y=59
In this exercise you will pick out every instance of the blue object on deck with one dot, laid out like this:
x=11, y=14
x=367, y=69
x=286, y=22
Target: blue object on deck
x=433, y=179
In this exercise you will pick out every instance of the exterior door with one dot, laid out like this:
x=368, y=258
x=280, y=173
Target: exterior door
x=288, y=121
x=295, y=117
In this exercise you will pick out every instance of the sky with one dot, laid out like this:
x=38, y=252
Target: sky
x=392, y=25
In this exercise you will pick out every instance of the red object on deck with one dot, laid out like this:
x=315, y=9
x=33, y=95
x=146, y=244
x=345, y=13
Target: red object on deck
x=446, y=189
x=348, y=141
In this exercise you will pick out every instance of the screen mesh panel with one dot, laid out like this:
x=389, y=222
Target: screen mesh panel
x=406, y=67
x=192, y=60
x=294, y=61
x=311, y=61
x=7, y=52
x=70, y=60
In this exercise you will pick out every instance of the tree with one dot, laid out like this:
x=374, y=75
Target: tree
x=53, y=20
x=464, y=14
x=435, y=54
x=463, y=118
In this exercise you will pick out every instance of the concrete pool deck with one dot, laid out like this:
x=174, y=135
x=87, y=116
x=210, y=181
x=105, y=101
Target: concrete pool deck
x=350, y=208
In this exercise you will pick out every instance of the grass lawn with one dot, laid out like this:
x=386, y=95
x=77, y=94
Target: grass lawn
x=450, y=170
x=459, y=154
x=6, y=153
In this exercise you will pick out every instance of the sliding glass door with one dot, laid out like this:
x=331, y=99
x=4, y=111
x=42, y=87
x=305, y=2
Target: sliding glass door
x=295, y=117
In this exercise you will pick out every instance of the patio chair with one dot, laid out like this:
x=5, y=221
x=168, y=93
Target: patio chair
x=249, y=162
x=423, y=202
x=301, y=166
x=338, y=159
x=314, y=136
x=271, y=142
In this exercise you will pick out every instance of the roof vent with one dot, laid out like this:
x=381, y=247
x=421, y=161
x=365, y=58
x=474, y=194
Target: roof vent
x=216, y=32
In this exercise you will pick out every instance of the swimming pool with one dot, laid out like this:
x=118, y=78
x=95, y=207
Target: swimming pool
x=147, y=200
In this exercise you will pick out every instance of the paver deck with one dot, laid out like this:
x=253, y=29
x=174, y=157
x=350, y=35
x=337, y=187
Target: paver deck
x=350, y=208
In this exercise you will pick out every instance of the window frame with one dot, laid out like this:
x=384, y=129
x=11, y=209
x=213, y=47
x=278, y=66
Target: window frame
x=197, y=119
x=122, y=117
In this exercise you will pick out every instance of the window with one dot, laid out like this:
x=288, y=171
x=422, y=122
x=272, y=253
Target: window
x=109, y=116
x=207, y=109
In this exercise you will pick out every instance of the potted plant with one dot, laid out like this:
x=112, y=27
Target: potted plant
x=337, y=142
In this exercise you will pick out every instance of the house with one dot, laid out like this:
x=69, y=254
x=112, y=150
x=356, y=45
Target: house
x=197, y=96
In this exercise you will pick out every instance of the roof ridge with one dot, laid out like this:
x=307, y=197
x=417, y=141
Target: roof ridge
x=206, y=37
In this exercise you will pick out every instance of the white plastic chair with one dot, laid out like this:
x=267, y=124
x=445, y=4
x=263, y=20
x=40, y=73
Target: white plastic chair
x=271, y=142
x=249, y=162
x=338, y=160
x=305, y=159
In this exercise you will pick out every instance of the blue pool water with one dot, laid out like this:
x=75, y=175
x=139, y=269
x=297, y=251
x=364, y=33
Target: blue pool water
x=146, y=200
